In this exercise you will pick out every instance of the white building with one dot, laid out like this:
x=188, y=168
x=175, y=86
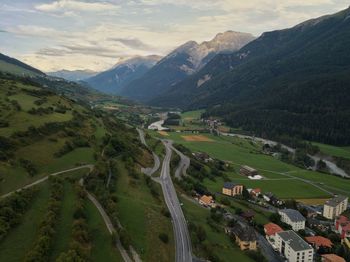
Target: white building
x=293, y=218
x=335, y=206
x=293, y=247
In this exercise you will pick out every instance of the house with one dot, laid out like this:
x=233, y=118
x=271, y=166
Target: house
x=255, y=192
x=293, y=218
x=319, y=241
x=206, y=201
x=293, y=247
x=332, y=258
x=248, y=215
x=335, y=206
x=342, y=226
x=232, y=189
x=204, y=157
x=248, y=171
x=245, y=237
x=271, y=198
x=271, y=230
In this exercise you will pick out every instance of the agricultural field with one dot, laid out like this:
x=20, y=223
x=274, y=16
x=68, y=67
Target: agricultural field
x=221, y=245
x=140, y=213
x=283, y=179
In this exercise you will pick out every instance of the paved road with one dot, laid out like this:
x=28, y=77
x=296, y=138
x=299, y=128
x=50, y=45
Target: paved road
x=183, y=165
x=150, y=170
x=182, y=237
x=46, y=177
x=109, y=226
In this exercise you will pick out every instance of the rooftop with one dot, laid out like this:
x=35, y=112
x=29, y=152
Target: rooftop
x=335, y=201
x=248, y=168
x=294, y=215
x=206, y=199
x=294, y=240
x=272, y=229
x=319, y=241
x=244, y=233
x=333, y=258
x=229, y=185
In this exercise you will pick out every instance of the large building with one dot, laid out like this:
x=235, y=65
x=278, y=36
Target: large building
x=248, y=171
x=293, y=247
x=293, y=218
x=232, y=189
x=342, y=226
x=245, y=237
x=335, y=206
x=271, y=230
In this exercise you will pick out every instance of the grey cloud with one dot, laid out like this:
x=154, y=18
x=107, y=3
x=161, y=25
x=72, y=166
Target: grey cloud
x=133, y=43
x=76, y=49
x=3, y=31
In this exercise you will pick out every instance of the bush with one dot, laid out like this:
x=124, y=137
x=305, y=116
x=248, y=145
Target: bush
x=164, y=238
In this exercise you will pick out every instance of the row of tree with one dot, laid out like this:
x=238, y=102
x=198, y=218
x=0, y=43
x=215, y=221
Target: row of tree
x=80, y=245
x=43, y=243
x=12, y=209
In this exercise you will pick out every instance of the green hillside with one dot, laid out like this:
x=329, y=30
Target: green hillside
x=16, y=67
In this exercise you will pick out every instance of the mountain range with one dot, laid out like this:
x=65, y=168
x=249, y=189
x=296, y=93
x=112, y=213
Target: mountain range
x=124, y=72
x=294, y=81
x=181, y=63
x=75, y=75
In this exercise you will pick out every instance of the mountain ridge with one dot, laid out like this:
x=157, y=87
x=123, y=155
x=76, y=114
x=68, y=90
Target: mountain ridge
x=182, y=62
x=115, y=78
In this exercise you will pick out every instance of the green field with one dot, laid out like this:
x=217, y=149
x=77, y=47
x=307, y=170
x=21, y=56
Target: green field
x=244, y=152
x=334, y=150
x=15, y=246
x=64, y=225
x=102, y=248
x=16, y=177
x=192, y=115
x=222, y=246
x=19, y=241
x=140, y=214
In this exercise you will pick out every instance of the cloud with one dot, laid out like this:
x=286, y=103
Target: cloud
x=75, y=5
x=133, y=43
x=3, y=31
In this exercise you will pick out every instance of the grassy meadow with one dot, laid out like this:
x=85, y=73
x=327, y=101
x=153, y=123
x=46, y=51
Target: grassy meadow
x=140, y=214
x=277, y=174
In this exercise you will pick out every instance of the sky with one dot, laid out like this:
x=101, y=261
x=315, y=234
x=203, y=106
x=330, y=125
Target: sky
x=95, y=35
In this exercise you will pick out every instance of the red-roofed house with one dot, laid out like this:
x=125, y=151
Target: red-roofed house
x=255, y=192
x=342, y=226
x=332, y=258
x=318, y=241
x=271, y=230
x=206, y=201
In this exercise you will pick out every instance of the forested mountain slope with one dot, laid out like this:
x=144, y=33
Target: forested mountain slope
x=298, y=75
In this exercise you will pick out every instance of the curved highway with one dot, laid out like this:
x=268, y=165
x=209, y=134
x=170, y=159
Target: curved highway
x=182, y=237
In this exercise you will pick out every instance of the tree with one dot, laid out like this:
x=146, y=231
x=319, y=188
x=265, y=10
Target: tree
x=164, y=238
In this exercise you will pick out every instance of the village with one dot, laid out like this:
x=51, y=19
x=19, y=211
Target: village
x=304, y=233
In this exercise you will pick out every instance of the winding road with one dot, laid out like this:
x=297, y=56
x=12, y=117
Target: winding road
x=47, y=177
x=182, y=238
x=183, y=165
